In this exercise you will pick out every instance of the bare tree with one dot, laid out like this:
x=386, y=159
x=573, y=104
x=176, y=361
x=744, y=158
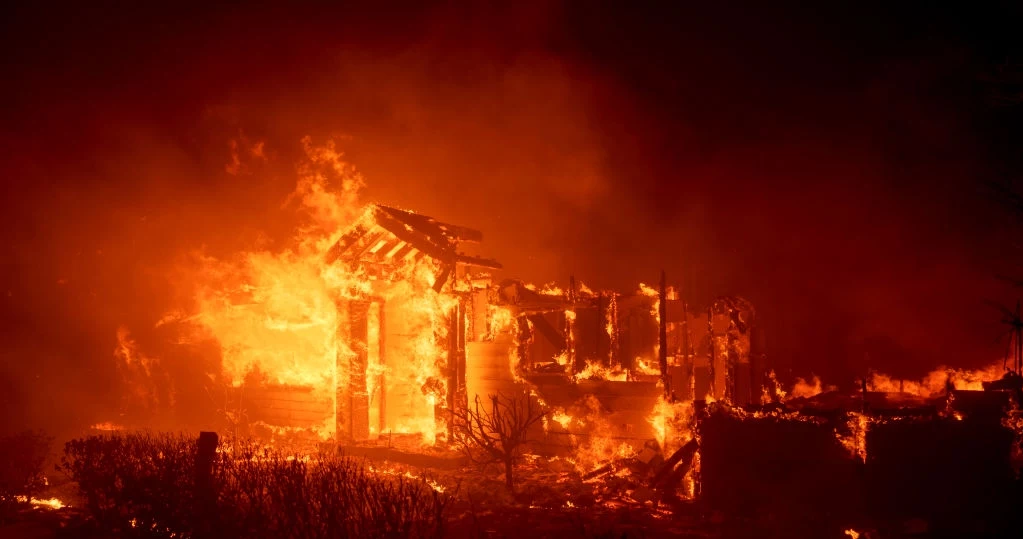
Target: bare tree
x=496, y=433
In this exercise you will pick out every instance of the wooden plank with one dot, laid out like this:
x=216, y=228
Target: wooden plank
x=418, y=240
x=346, y=241
x=432, y=227
x=442, y=278
x=478, y=261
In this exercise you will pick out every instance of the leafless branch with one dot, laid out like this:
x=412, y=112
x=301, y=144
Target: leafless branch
x=496, y=433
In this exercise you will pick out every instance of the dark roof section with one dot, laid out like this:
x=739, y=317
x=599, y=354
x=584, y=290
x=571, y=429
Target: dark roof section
x=386, y=235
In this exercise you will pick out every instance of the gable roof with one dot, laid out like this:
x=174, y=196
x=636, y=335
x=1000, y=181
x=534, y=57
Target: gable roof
x=386, y=235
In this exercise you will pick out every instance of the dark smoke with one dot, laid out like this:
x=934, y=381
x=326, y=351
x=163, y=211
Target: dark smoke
x=829, y=166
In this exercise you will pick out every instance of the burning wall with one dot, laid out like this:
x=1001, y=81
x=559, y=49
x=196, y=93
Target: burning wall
x=401, y=291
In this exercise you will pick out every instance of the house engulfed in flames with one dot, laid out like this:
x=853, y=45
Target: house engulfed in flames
x=422, y=328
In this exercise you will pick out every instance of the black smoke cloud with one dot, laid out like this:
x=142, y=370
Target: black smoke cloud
x=829, y=166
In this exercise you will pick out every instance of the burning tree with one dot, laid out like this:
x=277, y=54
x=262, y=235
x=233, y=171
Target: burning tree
x=496, y=434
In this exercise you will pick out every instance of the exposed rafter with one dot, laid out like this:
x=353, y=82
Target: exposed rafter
x=388, y=235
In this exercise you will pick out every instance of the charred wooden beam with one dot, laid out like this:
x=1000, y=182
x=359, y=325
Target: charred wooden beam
x=605, y=469
x=461, y=233
x=389, y=245
x=669, y=474
x=575, y=360
x=438, y=248
x=525, y=339
x=382, y=377
x=402, y=252
x=433, y=227
x=346, y=241
x=548, y=331
x=456, y=361
x=614, y=354
x=478, y=261
x=365, y=243
x=442, y=278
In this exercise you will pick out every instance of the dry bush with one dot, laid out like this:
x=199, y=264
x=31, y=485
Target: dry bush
x=137, y=484
x=496, y=433
x=273, y=495
x=21, y=468
x=256, y=492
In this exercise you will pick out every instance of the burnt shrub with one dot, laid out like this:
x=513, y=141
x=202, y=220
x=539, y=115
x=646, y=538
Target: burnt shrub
x=137, y=484
x=21, y=468
x=144, y=485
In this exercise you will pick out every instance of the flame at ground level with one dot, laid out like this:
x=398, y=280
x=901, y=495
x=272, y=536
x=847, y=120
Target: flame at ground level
x=43, y=503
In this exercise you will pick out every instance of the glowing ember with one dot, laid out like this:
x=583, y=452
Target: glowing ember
x=647, y=367
x=648, y=290
x=107, y=426
x=671, y=422
x=550, y=289
x=437, y=487
x=856, y=441
x=42, y=503
x=596, y=371
x=806, y=389
x=937, y=381
x=562, y=418
x=772, y=389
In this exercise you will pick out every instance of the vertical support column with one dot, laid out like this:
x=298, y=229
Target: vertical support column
x=456, y=357
x=525, y=342
x=462, y=359
x=342, y=405
x=614, y=358
x=578, y=362
x=721, y=363
x=712, y=353
x=684, y=390
x=358, y=397
x=603, y=353
x=742, y=350
x=662, y=336
x=479, y=315
x=381, y=342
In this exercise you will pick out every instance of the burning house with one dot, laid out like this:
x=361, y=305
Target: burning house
x=407, y=302
x=421, y=328
x=397, y=325
x=638, y=388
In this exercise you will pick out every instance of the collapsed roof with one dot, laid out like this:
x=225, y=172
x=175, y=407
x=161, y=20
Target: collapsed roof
x=387, y=236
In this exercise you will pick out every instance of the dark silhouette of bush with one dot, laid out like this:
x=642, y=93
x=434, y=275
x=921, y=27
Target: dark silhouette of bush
x=141, y=485
x=496, y=434
x=21, y=469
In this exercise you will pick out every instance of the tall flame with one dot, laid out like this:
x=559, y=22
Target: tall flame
x=276, y=317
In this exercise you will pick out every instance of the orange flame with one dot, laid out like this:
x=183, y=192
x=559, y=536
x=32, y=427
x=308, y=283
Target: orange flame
x=276, y=313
